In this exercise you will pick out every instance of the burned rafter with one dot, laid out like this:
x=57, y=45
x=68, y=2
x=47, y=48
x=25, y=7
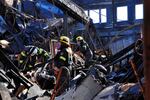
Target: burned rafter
x=72, y=9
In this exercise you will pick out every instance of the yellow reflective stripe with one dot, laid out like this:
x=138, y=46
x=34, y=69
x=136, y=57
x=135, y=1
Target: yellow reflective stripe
x=63, y=58
x=30, y=66
x=23, y=53
x=40, y=51
x=45, y=54
x=21, y=61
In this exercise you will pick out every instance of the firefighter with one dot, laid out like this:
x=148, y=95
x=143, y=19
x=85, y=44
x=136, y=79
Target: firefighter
x=84, y=48
x=63, y=64
x=64, y=56
x=47, y=77
x=31, y=56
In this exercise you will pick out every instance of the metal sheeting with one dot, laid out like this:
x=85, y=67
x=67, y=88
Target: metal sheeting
x=86, y=91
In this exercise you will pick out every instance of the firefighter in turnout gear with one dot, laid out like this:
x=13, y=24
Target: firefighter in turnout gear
x=63, y=64
x=84, y=48
x=31, y=56
x=64, y=56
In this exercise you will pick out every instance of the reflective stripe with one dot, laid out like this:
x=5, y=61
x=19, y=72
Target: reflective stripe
x=23, y=53
x=45, y=54
x=63, y=58
x=30, y=66
x=40, y=51
x=21, y=61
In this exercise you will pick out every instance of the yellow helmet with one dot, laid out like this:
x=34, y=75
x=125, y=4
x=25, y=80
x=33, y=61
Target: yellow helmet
x=79, y=38
x=65, y=39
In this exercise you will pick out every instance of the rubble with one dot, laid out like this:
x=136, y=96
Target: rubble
x=111, y=77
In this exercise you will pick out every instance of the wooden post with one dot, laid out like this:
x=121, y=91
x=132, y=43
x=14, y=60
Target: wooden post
x=147, y=48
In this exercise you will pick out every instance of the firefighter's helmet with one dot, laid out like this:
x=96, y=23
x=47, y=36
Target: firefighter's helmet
x=79, y=38
x=65, y=40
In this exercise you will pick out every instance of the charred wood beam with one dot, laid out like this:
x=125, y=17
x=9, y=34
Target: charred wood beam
x=120, y=59
x=14, y=70
x=72, y=9
x=119, y=54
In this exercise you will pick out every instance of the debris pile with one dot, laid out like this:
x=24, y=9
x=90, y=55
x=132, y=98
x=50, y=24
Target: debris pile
x=27, y=70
